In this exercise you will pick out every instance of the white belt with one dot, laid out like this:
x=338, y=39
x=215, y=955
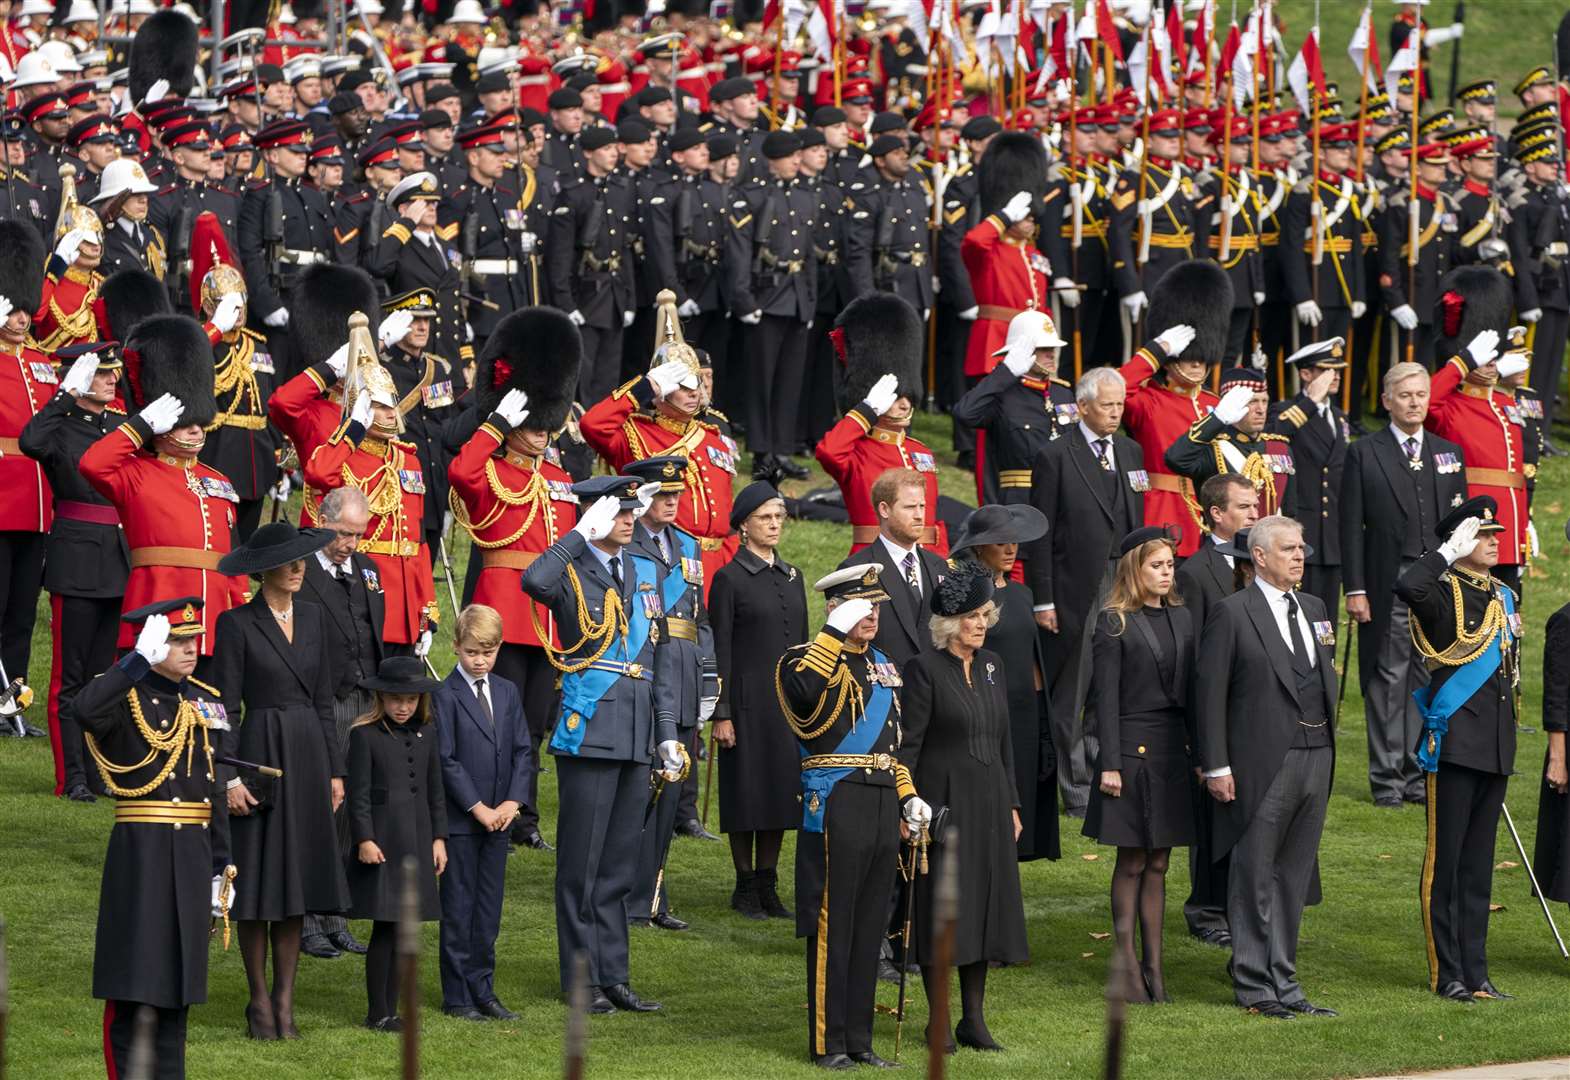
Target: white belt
x=495, y=266
x=301, y=258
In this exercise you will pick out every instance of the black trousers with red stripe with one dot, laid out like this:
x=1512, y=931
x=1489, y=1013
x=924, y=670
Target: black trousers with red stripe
x=84, y=646
x=167, y=1040
x=21, y=580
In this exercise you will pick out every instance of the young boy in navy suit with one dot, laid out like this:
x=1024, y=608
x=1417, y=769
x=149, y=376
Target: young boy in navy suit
x=487, y=760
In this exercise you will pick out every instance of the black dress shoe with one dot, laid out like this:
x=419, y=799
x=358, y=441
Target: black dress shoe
x=344, y=941
x=837, y=1062
x=867, y=1057
x=533, y=839
x=1456, y=990
x=792, y=469
x=1220, y=938
x=79, y=793
x=1418, y=797
x=887, y=972
x=318, y=946
x=599, y=1004
x=966, y=1034
x=1489, y=992
x=693, y=828
x=1391, y=803
x=666, y=921
x=626, y=999
x=392, y=1024
x=1308, y=1008
x=1273, y=1010
x=497, y=1011
x=465, y=1012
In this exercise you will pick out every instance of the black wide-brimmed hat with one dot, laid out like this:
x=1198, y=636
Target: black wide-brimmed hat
x=273, y=545
x=400, y=675
x=963, y=589
x=996, y=523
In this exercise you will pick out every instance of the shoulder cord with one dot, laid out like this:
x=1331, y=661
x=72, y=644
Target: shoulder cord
x=848, y=690
x=1477, y=641
x=177, y=739
x=602, y=633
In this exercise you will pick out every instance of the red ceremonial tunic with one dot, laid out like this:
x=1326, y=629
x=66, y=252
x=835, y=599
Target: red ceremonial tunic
x=27, y=382
x=301, y=409
x=1006, y=277
x=1156, y=416
x=1486, y=424
x=624, y=428
x=514, y=507
x=855, y=453
x=178, y=516
x=387, y=471
x=70, y=311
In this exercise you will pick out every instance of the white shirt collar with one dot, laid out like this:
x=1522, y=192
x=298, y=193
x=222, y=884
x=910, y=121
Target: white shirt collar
x=1402, y=437
x=1091, y=437
x=332, y=568
x=470, y=679
x=898, y=553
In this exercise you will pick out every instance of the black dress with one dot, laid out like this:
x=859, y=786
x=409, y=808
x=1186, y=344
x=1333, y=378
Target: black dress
x=757, y=611
x=396, y=799
x=1140, y=679
x=960, y=749
x=287, y=849
x=1017, y=641
x=1551, y=859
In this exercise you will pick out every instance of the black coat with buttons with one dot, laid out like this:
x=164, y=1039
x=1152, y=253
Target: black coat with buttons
x=905, y=266
x=698, y=254
x=769, y=258
x=307, y=226
x=397, y=801
x=603, y=289
x=483, y=210
x=1319, y=454
x=176, y=208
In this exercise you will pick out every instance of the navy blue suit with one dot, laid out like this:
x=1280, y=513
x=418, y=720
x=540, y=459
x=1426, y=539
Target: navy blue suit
x=486, y=761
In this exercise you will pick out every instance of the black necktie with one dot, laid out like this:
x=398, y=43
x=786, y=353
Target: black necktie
x=1300, y=662
x=616, y=572
x=485, y=703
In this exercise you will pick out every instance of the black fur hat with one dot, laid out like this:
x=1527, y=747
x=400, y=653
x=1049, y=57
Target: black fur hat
x=537, y=350
x=21, y=265
x=1014, y=162
x=1471, y=299
x=170, y=354
x=164, y=47
x=880, y=334
x=324, y=297
x=1197, y=294
x=130, y=296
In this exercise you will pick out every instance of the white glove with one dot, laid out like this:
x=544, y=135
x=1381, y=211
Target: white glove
x=156, y=92
x=153, y=640
x=1308, y=313
x=1533, y=548
x=513, y=407
x=970, y=314
x=1259, y=298
x=597, y=520
x=1175, y=339
x=1405, y=317
x=1019, y=361
x=1359, y=309
x=753, y=319
x=1484, y=348
x=1462, y=541
x=1135, y=303
x=1017, y=208
x=162, y=413
x=917, y=812
x=1513, y=363
x=706, y=707
x=688, y=309
x=576, y=317
x=361, y=413
x=668, y=376
x=226, y=316
x=278, y=319
x=626, y=319
x=845, y=616
x=70, y=245
x=395, y=328
x=422, y=648
x=5, y=309
x=670, y=756
x=645, y=494
x=1068, y=295
x=1257, y=359
x=80, y=377
x=339, y=360
x=1233, y=405
x=280, y=490
x=883, y=395
x=218, y=907
x=1458, y=29
x=1531, y=315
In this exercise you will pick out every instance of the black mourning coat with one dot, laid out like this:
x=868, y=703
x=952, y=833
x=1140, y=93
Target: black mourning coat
x=319, y=588
x=397, y=800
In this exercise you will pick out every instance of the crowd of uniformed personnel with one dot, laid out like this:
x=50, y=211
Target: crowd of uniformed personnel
x=419, y=272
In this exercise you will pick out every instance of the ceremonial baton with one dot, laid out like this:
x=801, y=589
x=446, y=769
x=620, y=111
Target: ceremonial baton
x=1536, y=891
x=658, y=780
x=452, y=593
x=265, y=770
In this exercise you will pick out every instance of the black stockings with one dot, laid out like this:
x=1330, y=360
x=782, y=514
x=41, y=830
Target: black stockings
x=767, y=845
x=381, y=971
x=271, y=1011
x=1139, y=891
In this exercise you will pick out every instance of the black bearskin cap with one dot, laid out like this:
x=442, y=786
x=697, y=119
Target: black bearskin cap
x=1197, y=294
x=324, y=297
x=130, y=296
x=171, y=354
x=1014, y=162
x=21, y=265
x=164, y=47
x=1471, y=299
x=537, y=350
x=880, y=334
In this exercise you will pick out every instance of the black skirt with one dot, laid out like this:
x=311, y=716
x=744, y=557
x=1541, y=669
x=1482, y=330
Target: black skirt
x=1155, y=809
x=1551, y=858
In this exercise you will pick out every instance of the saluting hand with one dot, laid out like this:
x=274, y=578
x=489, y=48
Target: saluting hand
x=162, y=413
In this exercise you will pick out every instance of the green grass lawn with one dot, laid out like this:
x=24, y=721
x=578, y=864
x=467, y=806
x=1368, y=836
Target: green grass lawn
x=734, y=991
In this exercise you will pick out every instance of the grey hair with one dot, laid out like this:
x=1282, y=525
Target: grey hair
x=340, y=499
x=1400, y=373
x=945, y=628
x=1089, y=386
x=1268, y=532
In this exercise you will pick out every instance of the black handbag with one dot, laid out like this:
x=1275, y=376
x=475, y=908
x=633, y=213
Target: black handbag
x=938, y=827
x=264, y=789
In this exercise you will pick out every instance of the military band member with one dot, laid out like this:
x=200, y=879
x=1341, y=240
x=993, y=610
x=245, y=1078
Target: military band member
x=410, y=257
x=427, y=384
x=1539, y=238
x=1324, y=274
x=174, y=209
x=887, y=243
x=1436, y=250
x=698, y=230
x=154, y=732
x=840, y=697
x=617, y=718
x=1237, y=196
x=1468, y=633
x=1318, y=431
x=1233, y=438
x=1158, y=220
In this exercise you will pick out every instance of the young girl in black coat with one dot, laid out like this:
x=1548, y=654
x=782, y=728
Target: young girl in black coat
x=397, y=808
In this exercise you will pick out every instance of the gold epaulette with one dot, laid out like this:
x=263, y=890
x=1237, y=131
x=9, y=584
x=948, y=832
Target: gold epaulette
x=204, y=687
x=822, y=655
x=400, y=230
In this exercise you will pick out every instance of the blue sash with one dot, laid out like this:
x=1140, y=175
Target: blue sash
x=817, y=783
x=581, y=691
x=1438, y=708
x=676, y=583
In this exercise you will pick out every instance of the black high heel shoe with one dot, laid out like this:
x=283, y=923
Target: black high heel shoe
x=966, y=1034
x=257, y=1026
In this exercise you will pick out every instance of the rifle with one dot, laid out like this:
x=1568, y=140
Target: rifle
x=1455, y=51
x=272, y=238
x=589, y=230
x=375, y=222
x=884, y=266
x=180, y=260
x=763, y=228
x=681, y=219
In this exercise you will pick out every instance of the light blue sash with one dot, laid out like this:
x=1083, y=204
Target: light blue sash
x=1437, y=709
x=581, y=691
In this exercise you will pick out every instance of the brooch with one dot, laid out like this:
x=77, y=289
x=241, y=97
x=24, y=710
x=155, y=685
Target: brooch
x=990, y=669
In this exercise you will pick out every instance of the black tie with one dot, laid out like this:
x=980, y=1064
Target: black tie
x=1300, y=662
x=485, y=703
x=616, y=572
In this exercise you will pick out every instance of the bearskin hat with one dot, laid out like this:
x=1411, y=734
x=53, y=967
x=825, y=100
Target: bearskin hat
x=880, y=334
x=1471, y=299
x=171, y=354
x=164, y=47
x=537, y=350
x=324, y=297
x=1014, y=162
x=21, y=265
x=130, y=296
x=1197, y=294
